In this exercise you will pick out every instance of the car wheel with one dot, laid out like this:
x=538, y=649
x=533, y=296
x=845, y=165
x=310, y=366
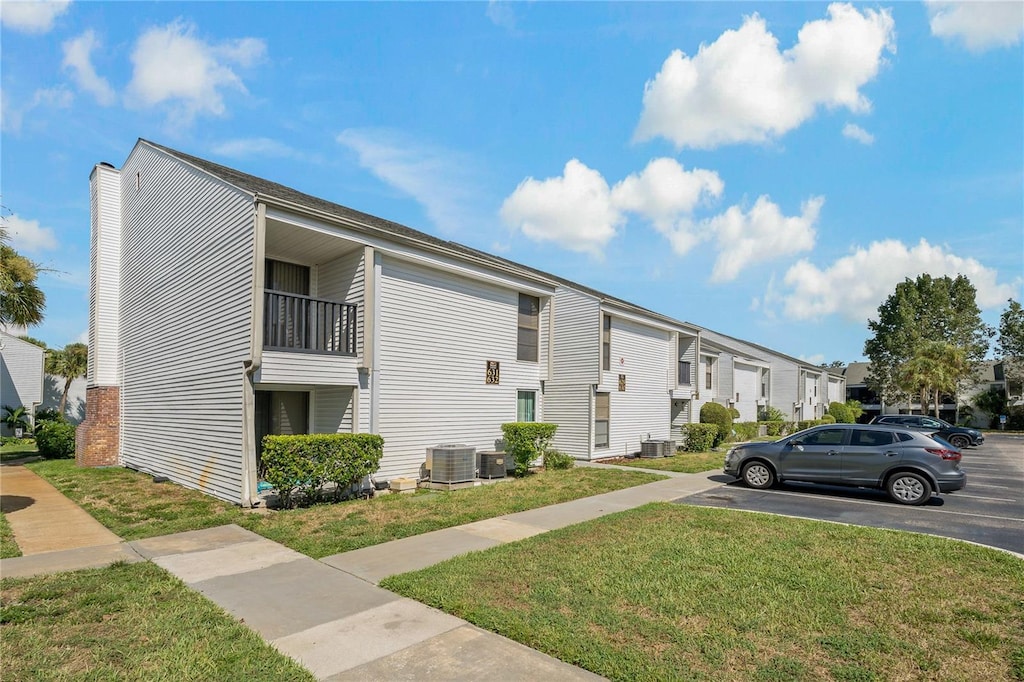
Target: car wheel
x=909, y=488
x=959, y=441
x=758, y=475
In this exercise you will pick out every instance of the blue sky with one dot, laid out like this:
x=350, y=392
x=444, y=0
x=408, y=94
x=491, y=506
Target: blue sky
x=770, y=171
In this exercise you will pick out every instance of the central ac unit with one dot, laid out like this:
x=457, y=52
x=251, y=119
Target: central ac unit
x=451, y=463
x=492, y=464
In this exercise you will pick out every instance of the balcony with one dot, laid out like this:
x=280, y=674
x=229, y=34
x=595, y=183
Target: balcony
x=308, y=325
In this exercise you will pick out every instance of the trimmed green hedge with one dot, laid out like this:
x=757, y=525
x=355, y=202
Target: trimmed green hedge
x=842, y=412
x=745, y=430
x=699, y=437
x=774, y=427
x=56, y=440
x=527, y=442
x=808, y=423
x=305, y=464
x=720, y=416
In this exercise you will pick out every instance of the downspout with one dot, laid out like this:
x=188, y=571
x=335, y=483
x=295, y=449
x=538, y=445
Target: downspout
x=251, y=365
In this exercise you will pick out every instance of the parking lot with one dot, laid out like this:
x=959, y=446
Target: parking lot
x=990, y=510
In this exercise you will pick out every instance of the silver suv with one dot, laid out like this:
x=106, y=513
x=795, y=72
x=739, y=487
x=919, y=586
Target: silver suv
x=907, y=464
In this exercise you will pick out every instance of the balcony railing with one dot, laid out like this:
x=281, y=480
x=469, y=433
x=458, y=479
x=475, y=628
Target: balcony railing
x=300, y=323
x=684, y=373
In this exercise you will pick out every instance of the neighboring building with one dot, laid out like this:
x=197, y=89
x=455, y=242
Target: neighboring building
x=74, y=407
x=225, y=307
x=731, y=376
x=21, y=375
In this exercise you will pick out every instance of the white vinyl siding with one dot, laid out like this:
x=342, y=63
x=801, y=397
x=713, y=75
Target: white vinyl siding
x=437, y=333
x=640, y=353
x=836, y=391
x=186, y=318
x=105, y=278
x=332, y=409
x=286, y=367
x=21, y=375
x=577, y=352
x=342, y=280
x=724, y=368
x=680, y=416
x=747, y=385
x=569, y=408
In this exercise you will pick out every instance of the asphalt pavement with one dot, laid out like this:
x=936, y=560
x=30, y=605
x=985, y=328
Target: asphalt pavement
x=989, y=511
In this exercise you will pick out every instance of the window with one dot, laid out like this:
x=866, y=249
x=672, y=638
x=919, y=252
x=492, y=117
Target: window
x=870, y=438
x=824, y=437
x=286, y=277
x=931, y=424
x=606, y=343
x=526, y=406
x=684, y=372
x=529, y=328
x=707, y=373
x=764, y=383
x=602, y=404
x=904, y=437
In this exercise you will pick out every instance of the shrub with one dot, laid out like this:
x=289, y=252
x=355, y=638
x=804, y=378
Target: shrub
x=856, y=409
x=842, y=413
x=734, y=412
x=719, y=415
x=48, y=416
x=56, y=440
x=808, y=423
x=527, y=442
x=699, y=437
x=774, y=427
x=306, y=463
x=770, y=413
x=827, y=419
x=553, y=459
x=745, y=430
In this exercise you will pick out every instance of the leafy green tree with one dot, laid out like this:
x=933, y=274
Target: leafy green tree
x=69, y=363
x=21, y=300
x=841, y=413
x=33, y=341
x=1010, y=347
x=926, y=309
x=992, y=401
x=935, y=369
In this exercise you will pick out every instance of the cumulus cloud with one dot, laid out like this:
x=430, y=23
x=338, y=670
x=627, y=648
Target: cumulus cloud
x=741, y=88
x=574, y=210
x=250, y=147
x=171, y=64
x=979, y=26
x=858, y=134
x=29, y=236
x=761, y=234
x=438, y=179
x=78, y=60
x=36, y=16
x=855, y=285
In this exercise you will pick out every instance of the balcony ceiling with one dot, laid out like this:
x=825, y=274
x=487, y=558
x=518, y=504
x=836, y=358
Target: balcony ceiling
x=301, y=245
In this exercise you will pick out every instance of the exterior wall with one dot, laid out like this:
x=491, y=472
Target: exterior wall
x=836, y=390
x=21, y=375
x=577, y=346
x=105, y=278
x=97, y=439
x=643, y=409
x=681, y=410
x=571, y=408
x=343, y=280
x=437, y=332
x=333, y=408
x=284, y=367
x=747, y=383
x=74, y=408
x=689, y=354
x=186, y=318
x=725, y=389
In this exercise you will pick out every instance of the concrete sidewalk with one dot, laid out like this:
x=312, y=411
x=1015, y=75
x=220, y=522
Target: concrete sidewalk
x=329, y=615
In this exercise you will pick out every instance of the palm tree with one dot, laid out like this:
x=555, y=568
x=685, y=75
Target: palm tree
x=69, y=363
x=21, y=300
x=935, y=369
x=15, y=418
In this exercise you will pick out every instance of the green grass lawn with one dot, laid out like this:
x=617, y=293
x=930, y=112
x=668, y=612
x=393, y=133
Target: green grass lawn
x=127, y=622
x=682, y=462
x=17, y=451
x=8, y=547
x=133, y=507
x=675, y=592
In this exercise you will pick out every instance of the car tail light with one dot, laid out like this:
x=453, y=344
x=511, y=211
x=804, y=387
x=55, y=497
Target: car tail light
x=953, y=455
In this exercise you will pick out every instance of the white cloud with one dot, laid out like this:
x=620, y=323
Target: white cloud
x=11, y=117
x=78, y=60
x=574, y=210
x=858, y=134
x=172, y=65
x=855, y=285
x=244, y=148
x=29, y=236
x=760, y=234
x=978, y=25
x=815, y=359
x=36, y=16
x=500, y=13
x=741, y=88
x=440, y=180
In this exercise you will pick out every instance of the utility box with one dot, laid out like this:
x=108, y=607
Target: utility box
x=492, y=464
x=451, y=463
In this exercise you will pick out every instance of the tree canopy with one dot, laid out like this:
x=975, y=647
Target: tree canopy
x=1010, y=347
x=68, y=363
x=923, y=311
x=21, y=300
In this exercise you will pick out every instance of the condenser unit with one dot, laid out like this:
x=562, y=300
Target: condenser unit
x=492, y=464
x=451, y=463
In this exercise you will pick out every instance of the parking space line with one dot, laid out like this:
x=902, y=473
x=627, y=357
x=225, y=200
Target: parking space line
x=878, y=504
x=979, y=497
x=991, y=485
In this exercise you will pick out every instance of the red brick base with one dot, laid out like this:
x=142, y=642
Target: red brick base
x=97, y=440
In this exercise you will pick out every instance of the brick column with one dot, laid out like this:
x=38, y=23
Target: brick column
x=97, y=440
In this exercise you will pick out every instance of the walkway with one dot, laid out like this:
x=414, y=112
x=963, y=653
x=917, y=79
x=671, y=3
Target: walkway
x=331, y=617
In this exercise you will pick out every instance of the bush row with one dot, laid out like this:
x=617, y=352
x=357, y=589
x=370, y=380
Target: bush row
x=305, y=464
